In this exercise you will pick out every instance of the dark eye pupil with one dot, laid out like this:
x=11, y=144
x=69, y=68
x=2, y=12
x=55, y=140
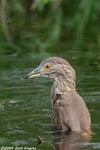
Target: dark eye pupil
x=47, y=66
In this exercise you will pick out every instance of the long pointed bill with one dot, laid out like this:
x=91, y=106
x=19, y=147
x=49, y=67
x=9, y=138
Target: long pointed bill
x=33, y=74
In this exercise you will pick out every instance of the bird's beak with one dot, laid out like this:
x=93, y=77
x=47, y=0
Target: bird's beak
x=33, y=74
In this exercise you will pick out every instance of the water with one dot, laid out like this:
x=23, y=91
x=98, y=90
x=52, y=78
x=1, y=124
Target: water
x=25, y=106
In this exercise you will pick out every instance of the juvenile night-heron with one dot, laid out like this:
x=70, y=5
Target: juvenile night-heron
x=69, y=109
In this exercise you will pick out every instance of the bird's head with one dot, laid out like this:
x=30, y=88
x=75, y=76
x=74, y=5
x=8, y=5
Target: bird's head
x=53, y=67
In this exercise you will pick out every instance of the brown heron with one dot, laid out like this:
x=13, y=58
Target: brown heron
x=69, y=109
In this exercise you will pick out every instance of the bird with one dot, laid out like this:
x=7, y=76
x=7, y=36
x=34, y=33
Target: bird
x=70, y=112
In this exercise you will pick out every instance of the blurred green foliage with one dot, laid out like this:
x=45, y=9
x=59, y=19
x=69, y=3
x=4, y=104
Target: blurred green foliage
x=49, y=25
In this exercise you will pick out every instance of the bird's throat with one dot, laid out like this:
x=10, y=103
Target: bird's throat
x=61, y=86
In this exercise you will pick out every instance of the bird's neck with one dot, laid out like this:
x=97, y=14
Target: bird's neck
x=62, y=85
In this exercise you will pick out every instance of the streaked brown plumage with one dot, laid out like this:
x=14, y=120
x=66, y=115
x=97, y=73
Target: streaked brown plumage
x=69, y=109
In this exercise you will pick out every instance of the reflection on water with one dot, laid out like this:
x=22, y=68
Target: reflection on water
x=25, y=110
x=69, y=141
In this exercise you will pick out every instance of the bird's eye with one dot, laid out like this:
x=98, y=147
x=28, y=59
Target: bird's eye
x=47, y=66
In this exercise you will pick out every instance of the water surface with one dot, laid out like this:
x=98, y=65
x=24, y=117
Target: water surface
x=25, y=105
